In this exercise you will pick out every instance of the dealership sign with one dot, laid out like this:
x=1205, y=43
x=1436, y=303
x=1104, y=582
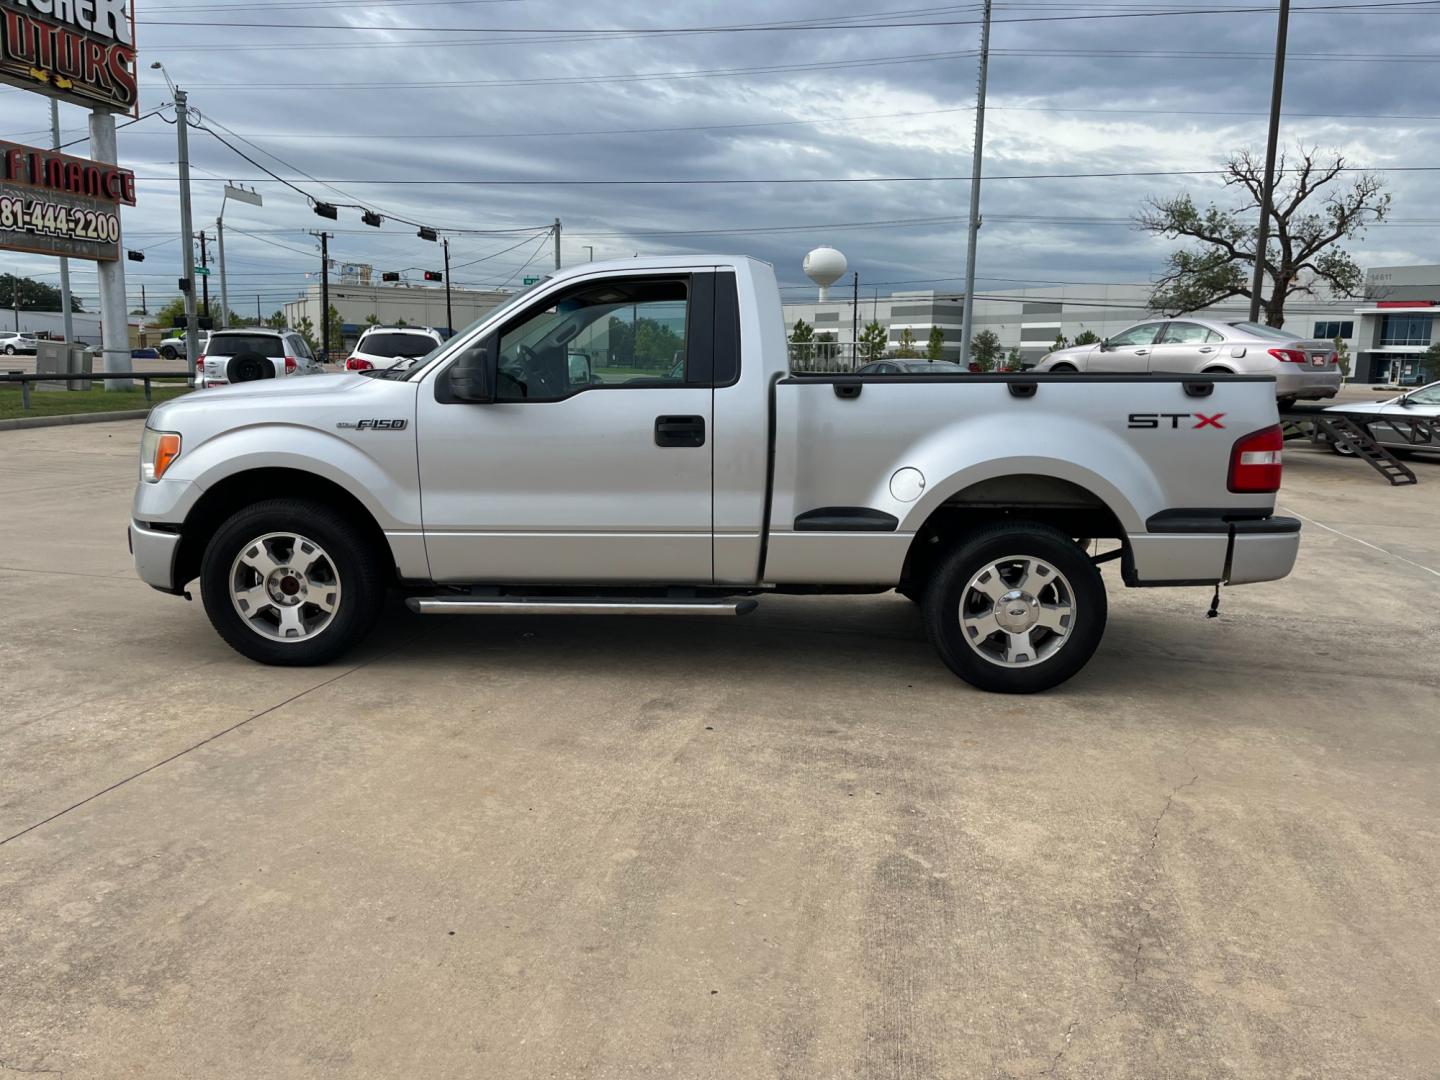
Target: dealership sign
x=80, y=51
x=55, y=204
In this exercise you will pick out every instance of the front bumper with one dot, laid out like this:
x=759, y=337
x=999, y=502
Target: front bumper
x=1206, y=549
x=154, y=553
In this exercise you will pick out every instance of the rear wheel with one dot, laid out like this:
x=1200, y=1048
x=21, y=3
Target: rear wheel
x=168, y=352
x=1065, y=369
x=1015, y=608
x=290, y=582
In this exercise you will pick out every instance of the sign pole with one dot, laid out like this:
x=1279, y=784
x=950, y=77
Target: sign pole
x=114, y=317
x=65, y=304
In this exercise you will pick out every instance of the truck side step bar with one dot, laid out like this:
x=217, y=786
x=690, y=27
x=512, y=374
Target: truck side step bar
x=584, y=605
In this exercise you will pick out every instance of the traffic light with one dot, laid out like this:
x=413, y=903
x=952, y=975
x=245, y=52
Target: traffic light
x=434, y=275
x=390, y=275
x=135, y=256
x=369, y=217
x=326, y=210
x=428, y=234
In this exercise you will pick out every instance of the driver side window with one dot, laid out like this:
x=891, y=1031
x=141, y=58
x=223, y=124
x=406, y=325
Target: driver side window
x=1136, y=335
x=618, y=333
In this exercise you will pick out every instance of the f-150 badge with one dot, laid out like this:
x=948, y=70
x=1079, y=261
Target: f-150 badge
x=374, y=425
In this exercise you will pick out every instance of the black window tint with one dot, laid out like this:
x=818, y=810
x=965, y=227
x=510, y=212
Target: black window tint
x=235, y=344
x=406, y=345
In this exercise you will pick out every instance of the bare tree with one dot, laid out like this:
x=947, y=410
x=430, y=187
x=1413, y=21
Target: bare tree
x=1309, y=217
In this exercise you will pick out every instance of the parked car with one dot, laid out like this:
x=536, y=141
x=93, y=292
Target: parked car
x=910, y=367
x=255, y=353
x=1408, y=422
x=173, y=347
x=1303, y=367
x=12, y=342
x=383, y=347
x=485, y=481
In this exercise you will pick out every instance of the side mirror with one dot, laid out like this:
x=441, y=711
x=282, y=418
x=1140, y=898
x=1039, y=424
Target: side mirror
x=470, y=378
x=1105, y=345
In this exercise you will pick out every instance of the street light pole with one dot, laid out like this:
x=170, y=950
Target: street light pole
x=64, y=262
x=1267, y=195
x=239, y=195
x=977, y=158
x=557, y=243
x=449, y=312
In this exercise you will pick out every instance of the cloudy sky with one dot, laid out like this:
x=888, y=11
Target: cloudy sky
x=438, y=112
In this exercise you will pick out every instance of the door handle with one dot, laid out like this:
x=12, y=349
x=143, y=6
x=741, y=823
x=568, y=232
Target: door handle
x=1142, y=352
x=680, y=431
x=1206, y=348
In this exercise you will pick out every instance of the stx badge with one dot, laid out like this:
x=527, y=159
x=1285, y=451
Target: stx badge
x=1150, y=420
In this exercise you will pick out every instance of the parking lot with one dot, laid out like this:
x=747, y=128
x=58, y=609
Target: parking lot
x=791, y=845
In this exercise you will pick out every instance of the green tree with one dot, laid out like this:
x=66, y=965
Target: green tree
x=33, y=295
x=337, y=330
x=1086, y=337
x=1310, y=214
x=827, y=348
x=802, y=342
x=985, y=350
x=1014, y=361
x=1342, y=356
x=372, y=320
x=656, y=345
x=873, y=341
x=907, y=350
x=276, y=320
x=1060, y=342
x=171, y=313
x=306, y=330
x=935, y=344
x=1430, y=363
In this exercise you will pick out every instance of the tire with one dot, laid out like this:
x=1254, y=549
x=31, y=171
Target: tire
x=1065, y=369
x=1343, y=451
x=168, y=353
x=9, y=350
x=998, y=661
x=1285, y=404
x=249, y=367
x=914, y=593
x=285, y=535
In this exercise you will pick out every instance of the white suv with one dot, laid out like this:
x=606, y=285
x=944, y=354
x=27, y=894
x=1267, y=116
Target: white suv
x=384, y=347
x=12, y=342
x=253, y=353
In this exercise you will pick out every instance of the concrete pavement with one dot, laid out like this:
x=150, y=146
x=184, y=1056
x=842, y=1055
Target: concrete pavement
x=791, y=845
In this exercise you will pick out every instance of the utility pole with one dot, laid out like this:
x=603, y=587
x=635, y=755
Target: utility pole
x=1267, y=195
x=324, y=295
x=224, y=290
x=449, y=313
x=65, y=304
x=205, y=278
x=144, y=305
x=17, y=303
x=258, y=320
x=187, y=260
x=557, y=243
x=979, y=156
x=855, y=321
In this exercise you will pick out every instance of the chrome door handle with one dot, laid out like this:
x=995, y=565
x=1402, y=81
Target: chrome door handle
x=1206, y=348
x=1142, y=352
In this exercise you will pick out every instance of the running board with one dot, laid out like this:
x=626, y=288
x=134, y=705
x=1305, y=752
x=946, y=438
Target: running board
x=561, y=605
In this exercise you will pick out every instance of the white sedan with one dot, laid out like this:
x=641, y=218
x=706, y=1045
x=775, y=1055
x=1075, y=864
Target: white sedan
x=1408, y=422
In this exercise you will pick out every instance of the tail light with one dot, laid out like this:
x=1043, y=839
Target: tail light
x=1333, y=359
x=1289, y=356
x=357, y=364
x=1256, y=460
x=200, y=363
x=290, y=365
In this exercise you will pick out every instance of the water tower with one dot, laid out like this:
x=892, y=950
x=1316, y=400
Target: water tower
x=825, y=266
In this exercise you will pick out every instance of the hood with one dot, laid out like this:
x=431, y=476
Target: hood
x=293, y=386
x=305, y=391
x=1074, y=352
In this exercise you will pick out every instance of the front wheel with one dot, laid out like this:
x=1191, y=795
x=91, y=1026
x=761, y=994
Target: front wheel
x=168, y=353
x=1015, y=609
x=291, y=583
x=1064, y=369
x=9, y=350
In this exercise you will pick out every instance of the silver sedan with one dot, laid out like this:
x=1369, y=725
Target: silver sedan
x=1303, y=367
x=1408, y=422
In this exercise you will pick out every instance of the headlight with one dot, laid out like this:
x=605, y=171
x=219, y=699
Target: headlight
x=158, y=451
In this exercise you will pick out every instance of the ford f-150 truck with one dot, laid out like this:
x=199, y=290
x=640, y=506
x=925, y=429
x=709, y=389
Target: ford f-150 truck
x=626, y=438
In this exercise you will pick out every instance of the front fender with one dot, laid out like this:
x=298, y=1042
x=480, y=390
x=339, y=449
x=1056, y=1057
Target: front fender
x=381, y=476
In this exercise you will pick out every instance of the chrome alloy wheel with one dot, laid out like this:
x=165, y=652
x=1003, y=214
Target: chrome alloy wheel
x=285, y=587
x=1017, y=611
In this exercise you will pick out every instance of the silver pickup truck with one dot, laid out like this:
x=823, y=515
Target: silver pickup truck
x=626, y=438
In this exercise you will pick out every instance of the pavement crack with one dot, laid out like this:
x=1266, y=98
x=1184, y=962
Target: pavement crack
x=5, y=1066
x=1064, y=1046
x=208, y=740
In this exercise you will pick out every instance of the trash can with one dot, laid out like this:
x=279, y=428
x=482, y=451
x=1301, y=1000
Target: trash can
x=52, y=358
x=81, y=361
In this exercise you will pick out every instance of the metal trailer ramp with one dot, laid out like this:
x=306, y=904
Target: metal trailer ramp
x=1344, y=432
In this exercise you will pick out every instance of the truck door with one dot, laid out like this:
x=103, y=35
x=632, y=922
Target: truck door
x=1127, y=353
x=593, y=462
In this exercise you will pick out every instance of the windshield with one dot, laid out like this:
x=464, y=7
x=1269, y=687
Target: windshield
x=1269, y=333
x=397, y=343
x=514, y=301
x=235, y=344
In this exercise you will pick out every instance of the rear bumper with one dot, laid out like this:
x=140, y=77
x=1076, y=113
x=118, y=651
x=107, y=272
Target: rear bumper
x=1200, y=548
x=1306, y=383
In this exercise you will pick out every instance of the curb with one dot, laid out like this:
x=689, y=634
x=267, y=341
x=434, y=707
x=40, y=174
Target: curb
x=23, y=422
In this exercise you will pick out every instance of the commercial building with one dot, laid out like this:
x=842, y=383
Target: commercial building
x=363, y=305
x=1387, y=329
